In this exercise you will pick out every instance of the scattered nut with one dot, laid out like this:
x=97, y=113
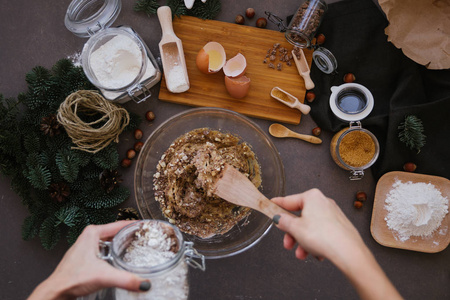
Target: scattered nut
x=310, y=96
x=271, y=65
x=361, y=196
x=316, y=131
x=409, y=167
x=138, y=146
x=261, y=23
x=250, y=13
x=357, y=204
x=239, y=19
x=138, y=134
x=349, y=77
x=150, y=116
x=320, y=39
x=131, y=154
x=279, y=66
x=125, y=163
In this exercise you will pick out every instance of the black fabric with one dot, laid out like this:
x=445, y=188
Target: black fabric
x=354, y=32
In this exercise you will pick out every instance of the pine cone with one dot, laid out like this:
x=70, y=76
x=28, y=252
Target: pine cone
x=59, y=191
x=50, y=125
x=109, y=179
x=127, y=213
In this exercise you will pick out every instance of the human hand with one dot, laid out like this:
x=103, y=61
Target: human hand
x=322, y=230
x=81, y=272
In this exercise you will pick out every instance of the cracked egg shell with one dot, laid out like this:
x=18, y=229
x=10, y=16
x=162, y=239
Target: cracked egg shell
x=211, y=58
x=236, y=66
x=237, y=87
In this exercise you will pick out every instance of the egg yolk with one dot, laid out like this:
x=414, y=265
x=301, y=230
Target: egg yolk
x=215, y=59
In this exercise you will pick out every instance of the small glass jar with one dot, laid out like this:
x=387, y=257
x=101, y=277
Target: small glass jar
x=304, y=23
x=169, y=280
x=353, y=148
x=93, y=18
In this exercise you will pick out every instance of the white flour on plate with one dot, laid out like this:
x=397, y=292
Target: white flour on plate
x=414, y=209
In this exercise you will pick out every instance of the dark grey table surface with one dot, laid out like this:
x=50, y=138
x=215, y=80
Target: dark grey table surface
x=33, y=33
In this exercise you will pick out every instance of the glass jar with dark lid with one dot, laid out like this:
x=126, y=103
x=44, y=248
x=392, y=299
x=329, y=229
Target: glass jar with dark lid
x=93, y=18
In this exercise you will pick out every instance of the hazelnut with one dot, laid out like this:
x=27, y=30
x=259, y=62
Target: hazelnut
x=357, y=204
x=409, y=167
x=150, y=116
x=125, y=163
x=131, y=154
x=261, y=23
x=138, y=146
x=349, y=78
x=138, y=134
x=250, y=13
x=316, y=131
x=239, y=19
x=310, y=96
x=361, y=196
x=320, y=39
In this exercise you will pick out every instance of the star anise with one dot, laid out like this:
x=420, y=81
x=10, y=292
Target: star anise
x=128, y=213
x=59, y=191
x=50, y=125
x=109, y=179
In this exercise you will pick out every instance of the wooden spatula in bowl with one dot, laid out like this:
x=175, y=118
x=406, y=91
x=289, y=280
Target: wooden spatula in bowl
x=235, y=187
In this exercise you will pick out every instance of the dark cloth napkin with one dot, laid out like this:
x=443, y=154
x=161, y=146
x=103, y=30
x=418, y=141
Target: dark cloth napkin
x=354, y=32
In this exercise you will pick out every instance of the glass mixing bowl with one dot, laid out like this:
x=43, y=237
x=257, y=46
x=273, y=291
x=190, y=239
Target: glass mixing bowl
x=250, y=230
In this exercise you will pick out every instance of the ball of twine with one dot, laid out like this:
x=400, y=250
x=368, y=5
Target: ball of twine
x=96, y=135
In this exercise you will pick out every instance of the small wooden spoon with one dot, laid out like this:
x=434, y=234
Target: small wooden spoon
x=289, y=100
x=236, y=188
x=303, y=69
x=278, y=130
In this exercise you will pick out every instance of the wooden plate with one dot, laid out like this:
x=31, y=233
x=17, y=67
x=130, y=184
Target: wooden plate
x=438, y=241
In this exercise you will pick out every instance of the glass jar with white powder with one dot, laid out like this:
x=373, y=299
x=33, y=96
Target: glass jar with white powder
x=155, y=250
x=115, y=59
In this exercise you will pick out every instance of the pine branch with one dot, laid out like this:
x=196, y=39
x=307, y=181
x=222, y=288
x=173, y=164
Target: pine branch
x=99, y=199
x=148, y=6
x=39, y=177
x=49, y=233
x=411, y=133
x=177, y=7
x=68, y=164
x=107, y=158
x=68, y=215
x=208, y=10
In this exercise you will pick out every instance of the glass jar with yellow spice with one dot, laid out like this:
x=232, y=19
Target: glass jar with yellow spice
x=353, y=148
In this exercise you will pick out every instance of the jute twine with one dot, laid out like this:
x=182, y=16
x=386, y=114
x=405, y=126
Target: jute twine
x=84, y=135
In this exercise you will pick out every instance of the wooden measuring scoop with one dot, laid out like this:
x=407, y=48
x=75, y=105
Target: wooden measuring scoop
x=235, y=187
x=172, y=54
x=303, y=68
x=289, y=100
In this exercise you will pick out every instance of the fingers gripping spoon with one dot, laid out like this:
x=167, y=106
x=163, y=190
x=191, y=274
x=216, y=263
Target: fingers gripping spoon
x=172, y=54
x=235, y=187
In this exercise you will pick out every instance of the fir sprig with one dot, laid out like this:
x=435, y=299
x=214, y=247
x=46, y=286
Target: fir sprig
x=208, y=10
x=411, y=133
x=37, y=163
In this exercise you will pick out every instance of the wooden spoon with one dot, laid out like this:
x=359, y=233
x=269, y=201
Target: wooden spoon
x=278, y=130
x=236, y=188
x=289, y=100
x=303, y=69
x=171, y=50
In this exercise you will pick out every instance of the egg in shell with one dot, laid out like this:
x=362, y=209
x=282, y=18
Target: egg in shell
x=211, y=58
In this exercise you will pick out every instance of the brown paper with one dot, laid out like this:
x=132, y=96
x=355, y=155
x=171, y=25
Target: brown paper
x=421, y=28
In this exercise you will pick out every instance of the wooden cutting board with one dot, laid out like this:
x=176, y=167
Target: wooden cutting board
x=253, y=43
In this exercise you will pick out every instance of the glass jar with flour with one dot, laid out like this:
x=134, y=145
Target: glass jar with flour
x=155, y=250
x=115, y=59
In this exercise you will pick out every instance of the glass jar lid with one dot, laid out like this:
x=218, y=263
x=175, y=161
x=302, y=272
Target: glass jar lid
x=351, y=102
x=86, y=17
x=325, y=60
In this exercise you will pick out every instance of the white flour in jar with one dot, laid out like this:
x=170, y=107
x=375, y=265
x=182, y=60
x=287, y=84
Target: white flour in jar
x=414, y=209
x=118, y=62
x=153, y=246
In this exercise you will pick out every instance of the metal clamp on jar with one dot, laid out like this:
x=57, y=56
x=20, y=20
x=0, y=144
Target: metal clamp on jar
x=353, y=148
x=169, y=279
x=115, y=59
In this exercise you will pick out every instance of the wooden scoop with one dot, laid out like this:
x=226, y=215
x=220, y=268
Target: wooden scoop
x=172, y=54
x=289, y=100
x=236, y=188
x=278, y=130
x=303, y=69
